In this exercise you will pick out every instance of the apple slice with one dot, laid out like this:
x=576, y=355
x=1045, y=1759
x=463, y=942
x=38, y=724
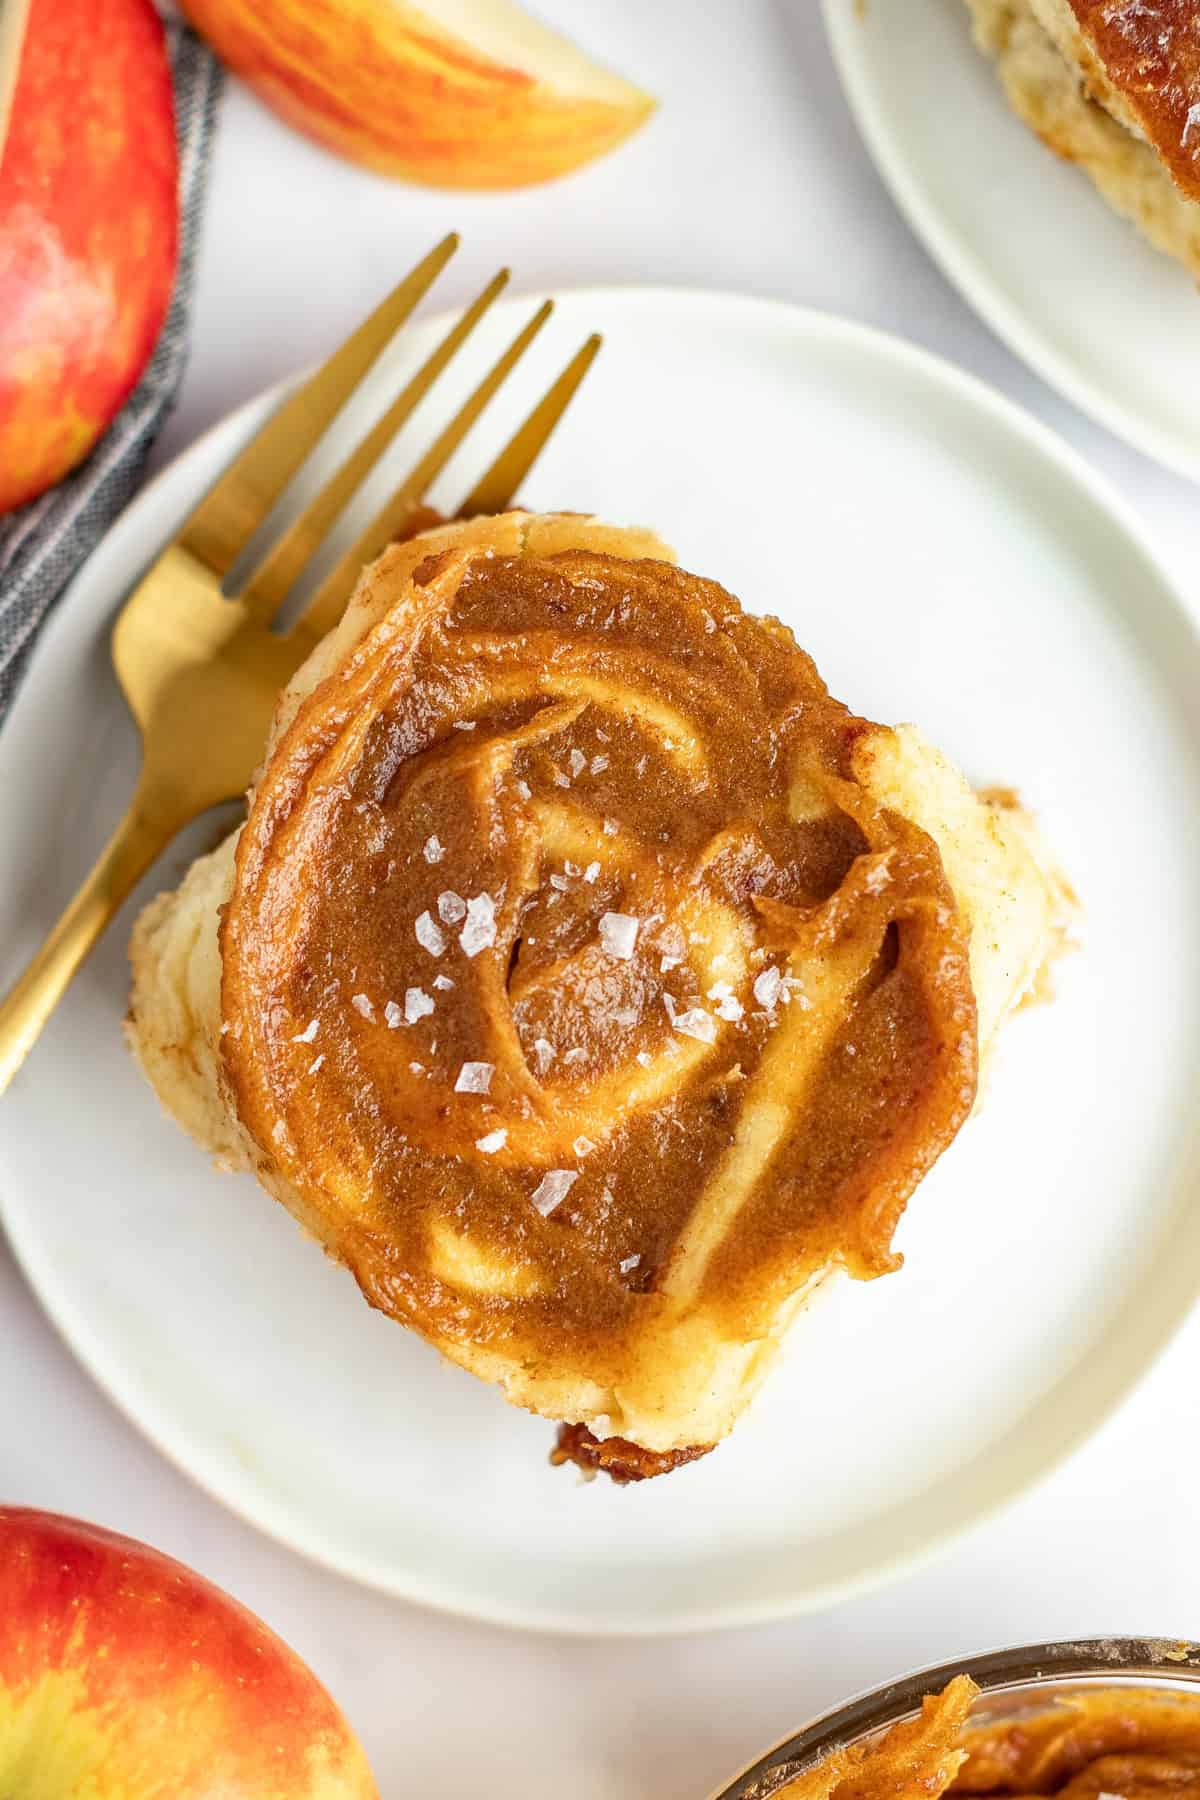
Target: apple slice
x=123, y=1673
x=452, y=93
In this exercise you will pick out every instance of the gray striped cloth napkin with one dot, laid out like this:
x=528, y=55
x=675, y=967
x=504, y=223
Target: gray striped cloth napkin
x=42, y=544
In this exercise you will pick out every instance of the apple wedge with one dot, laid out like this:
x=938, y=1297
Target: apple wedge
x=451, y=93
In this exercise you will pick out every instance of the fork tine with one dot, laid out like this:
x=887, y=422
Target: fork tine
x=329, y=601
x=243, y=496
x=278, y=570
x=498, y=484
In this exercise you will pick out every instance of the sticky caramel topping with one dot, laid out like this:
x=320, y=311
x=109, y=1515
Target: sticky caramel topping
x=1119, y=1743
x=567, y=971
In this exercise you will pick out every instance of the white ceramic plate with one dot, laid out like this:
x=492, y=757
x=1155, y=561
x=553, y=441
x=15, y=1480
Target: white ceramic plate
x=945, y=560
x=1066, y=282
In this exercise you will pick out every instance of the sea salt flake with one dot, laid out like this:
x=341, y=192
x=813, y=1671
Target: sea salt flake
x=523, y=788
x=553, y=1189
x=877, y=879
x=767, y=987
x=429, y=936
x=575, y=1056
x=578, y=762
x=728, y=1006
x=362, y=1004
x=561, y=780
x=630, y=1263
x=591, y=872
x=307, y=1035
x=465, y=724
x=495, y=1140
x=570, y=868
x=315, y=1064
x=643, y=1057
x=583, y=1146
x=479, y=932
x=433, y=851
x=618, y=934
x=625, y=1016
x=279, y=1131
x=393, y=1014
x=561, y=883
x=417, y=1068
x=417, y=1005
x=611, y=828
x=1191, y=123
x=443, y=982
x=475, y=1078
x=451, y=907
x=598, y=765
x=696, y=1023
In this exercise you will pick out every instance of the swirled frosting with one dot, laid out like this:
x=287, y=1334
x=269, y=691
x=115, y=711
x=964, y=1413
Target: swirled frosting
x=574, y=989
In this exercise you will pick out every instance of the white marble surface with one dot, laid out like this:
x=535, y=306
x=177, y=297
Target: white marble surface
x=752, y=178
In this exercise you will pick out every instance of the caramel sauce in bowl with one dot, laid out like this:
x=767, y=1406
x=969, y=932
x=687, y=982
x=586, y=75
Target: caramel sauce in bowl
x=1118, y=1717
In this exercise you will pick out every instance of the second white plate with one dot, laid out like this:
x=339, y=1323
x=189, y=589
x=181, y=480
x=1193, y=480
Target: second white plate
x=945, y=560
x=1066, y=282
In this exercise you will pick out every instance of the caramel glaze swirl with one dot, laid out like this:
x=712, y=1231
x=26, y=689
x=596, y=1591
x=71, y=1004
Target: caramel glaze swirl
x=574, y=984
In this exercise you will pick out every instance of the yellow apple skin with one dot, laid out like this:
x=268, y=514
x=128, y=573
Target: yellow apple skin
x=126, y=1676
x=379, y=82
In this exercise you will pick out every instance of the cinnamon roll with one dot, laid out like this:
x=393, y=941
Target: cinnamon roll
x=1114, y=88
x=585, y=978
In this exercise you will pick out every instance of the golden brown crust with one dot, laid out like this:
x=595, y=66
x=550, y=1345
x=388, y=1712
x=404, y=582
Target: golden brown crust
x=1150, y=54
x=724, y=1150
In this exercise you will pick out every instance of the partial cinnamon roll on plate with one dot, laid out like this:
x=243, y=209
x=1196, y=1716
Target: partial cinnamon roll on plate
x=586, y=979
x=1115, y=89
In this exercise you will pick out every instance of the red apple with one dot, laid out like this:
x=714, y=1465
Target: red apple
x=124, y=1674
x=88, y=230
x=454, y=93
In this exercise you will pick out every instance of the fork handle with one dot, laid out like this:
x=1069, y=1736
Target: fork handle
x=129, y=852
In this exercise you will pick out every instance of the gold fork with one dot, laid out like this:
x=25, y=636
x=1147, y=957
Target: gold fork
x=201, y=672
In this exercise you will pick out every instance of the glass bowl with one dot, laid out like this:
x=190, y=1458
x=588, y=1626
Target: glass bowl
x=1012, y=1683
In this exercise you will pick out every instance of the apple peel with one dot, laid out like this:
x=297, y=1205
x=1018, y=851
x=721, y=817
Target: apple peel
x=123, y=1673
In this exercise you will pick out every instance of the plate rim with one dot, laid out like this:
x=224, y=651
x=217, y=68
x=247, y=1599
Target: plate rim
x=281, y=1523
x=967, y=274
